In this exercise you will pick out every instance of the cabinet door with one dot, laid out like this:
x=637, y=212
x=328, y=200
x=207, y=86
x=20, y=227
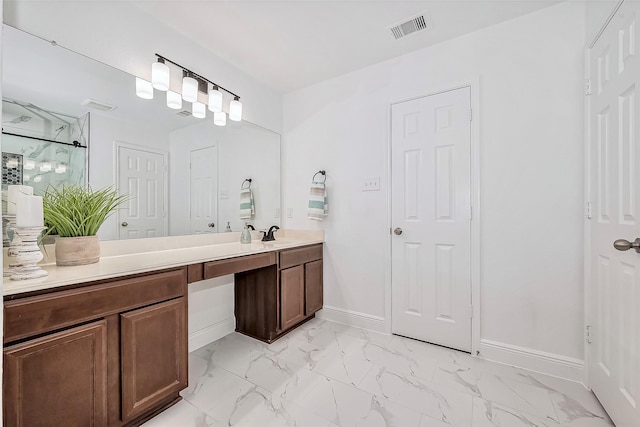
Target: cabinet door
x=57, y=380
x=291, y=296
x=154, y=355
x=313, y=287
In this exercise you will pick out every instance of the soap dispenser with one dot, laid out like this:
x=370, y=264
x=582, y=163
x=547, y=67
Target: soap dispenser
x=245, y=237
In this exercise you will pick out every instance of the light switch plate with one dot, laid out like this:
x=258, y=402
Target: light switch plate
x=224, y=194
x=371, y=184
x=289, y=212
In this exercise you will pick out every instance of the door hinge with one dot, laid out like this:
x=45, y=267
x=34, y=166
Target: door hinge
x=587, y=87
x=470, y=213
x=587, y=211
x=471, y=311
x=587, y=334
x=470, y=114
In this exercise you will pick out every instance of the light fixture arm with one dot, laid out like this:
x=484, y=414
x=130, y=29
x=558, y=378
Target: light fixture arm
x=196, y=76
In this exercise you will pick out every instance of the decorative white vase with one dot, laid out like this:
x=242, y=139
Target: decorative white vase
x=77, y=250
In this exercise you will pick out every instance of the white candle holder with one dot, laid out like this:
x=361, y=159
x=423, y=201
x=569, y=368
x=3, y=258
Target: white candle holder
x=9, y=235
x=28, y=254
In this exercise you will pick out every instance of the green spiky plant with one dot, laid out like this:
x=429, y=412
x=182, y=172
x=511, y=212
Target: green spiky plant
x=79, y=211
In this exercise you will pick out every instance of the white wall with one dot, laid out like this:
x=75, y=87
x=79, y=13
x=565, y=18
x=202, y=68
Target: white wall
x=530, y=97
x=105, y=132
x=122, y=35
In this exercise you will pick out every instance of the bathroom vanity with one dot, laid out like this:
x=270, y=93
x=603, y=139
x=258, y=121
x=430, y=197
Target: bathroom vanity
x=106, y=344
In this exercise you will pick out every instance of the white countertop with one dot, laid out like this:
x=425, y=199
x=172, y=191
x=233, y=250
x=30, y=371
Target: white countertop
x=126, y=257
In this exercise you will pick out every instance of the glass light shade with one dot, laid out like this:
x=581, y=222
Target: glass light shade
x=144, y=89
x=215, y=100
x=37, y=178
x=61, y=168
x=160, y=76
x=174, y=100
x=220, y=119
x=235, y=110
x=26, y=177
x=199, y=110
x=189, y=89
x=45, y=167
x=29, y=165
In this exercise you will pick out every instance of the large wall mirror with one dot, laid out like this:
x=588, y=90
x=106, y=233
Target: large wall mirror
x=68, y=119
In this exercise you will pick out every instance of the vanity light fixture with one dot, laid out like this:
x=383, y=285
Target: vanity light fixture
x=189, y=88
x=29, y=165
x=174, y=100
x=215, y=100
x=160, y=75
x=192, y=85
x=199, y=110
x=144, y=89
x=235, y=110
x=220, y=119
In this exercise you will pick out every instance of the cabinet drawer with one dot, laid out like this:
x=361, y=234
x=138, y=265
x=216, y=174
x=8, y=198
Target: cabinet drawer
x=237, y=265
x=43, y=313
x=298, y=256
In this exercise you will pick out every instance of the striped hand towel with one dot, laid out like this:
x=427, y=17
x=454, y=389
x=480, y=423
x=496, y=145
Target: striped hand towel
x=318, y=202
x=247, y=206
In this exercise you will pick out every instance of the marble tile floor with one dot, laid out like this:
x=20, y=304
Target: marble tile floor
x=325, y=374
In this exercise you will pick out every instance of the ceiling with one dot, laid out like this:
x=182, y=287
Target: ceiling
x=295, y=43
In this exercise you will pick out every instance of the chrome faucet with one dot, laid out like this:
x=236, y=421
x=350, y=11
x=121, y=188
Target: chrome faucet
x=268, y=235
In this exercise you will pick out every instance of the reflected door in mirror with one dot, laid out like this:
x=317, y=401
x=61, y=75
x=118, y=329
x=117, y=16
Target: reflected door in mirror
x=142, y=175
x=203, y=189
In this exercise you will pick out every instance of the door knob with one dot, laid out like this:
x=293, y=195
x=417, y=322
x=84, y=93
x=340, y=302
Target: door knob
x=124, y=223
x=625, y=245
x=211, y=225
x=397, y=231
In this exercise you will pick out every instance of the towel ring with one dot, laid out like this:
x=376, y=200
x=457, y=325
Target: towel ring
x=323, y=173
x=242, y=187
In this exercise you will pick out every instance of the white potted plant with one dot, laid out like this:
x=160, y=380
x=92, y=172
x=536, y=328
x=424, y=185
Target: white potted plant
x=77, y=213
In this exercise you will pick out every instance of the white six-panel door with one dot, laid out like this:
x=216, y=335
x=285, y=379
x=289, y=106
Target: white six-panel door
x=142, y=175
x=614, y=353
x=431, y=214
x=203, y=191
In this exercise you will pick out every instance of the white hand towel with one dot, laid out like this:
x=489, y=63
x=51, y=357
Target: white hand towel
x=318, y=202
x=247, y=205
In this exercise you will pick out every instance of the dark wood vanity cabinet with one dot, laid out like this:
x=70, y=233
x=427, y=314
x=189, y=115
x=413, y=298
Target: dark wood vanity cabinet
x=271, y=300
x=59, y=379
x=112, y=353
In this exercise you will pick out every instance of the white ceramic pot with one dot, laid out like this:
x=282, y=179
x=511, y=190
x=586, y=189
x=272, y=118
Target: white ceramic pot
x=77, y=250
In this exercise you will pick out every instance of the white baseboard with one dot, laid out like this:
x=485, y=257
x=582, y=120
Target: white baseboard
x=211, y=333
x=353, y=318
x=533, y=360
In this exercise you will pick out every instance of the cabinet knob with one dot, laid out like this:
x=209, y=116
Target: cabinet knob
x=397, y=231
x=124, y=223
x=211, y=225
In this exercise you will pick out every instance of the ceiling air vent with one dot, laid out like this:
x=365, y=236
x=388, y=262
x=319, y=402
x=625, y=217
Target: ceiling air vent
x=417, y=23
x=92, y=103
x=184, y=113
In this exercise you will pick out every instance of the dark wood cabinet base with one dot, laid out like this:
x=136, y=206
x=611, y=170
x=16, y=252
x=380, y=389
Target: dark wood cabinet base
x=109, y=354
x=278, y=336
x=271, y=301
